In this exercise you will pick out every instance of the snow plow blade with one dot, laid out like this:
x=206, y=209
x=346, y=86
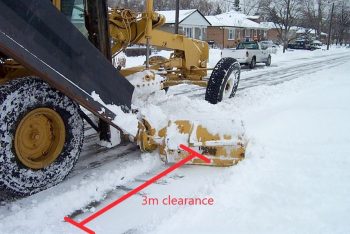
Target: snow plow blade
x=38, y=36
x=221, y=141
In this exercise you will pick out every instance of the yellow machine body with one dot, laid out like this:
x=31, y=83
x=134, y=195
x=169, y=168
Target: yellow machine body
x=187, y=64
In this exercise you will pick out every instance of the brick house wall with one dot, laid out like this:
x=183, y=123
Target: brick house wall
x=220, y=35
x=272, y=35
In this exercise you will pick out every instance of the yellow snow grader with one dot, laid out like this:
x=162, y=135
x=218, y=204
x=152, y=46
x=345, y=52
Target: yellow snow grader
x=55, y=55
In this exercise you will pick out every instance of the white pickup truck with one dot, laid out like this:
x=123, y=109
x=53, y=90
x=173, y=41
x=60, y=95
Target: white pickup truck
x=249, y=53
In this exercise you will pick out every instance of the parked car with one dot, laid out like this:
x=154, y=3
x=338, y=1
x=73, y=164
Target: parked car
x=300, y=45
x=303, y=44
x=271, y=47
x=249, y=53
x=316, y=44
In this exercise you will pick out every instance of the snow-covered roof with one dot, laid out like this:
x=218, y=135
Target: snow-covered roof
x=268, y=25
x=213, y=20
x=309, y=31
x=233, y=19
x=272, y=25
x=299, y=30
x=253, y=17
x=170, y=15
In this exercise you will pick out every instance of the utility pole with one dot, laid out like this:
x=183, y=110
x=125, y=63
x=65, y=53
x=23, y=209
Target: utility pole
x=330, y=27
x=244, y=7
x=285, y=43
x=177, y=15
x=319, y=26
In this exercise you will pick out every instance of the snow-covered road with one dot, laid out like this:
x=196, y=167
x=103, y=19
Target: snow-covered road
x=284, y=67
x=293, y=180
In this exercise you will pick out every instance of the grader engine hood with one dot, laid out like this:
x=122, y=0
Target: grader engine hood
x=38, y=36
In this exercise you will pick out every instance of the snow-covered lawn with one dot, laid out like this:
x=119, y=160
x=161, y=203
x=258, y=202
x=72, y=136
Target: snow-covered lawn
x=295, y=178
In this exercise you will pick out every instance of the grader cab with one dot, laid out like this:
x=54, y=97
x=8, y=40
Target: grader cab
x=54, y=56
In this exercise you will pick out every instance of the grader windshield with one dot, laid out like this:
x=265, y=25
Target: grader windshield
x=74, y=11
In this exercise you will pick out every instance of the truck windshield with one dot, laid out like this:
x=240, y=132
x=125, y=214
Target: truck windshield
x=248, y=45
x=74, y=11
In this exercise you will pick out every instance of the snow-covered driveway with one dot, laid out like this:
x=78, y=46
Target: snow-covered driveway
x=295, y=178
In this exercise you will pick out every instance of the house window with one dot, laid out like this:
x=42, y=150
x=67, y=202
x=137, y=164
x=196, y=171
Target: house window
x=231, y=34
x=246, y=33
x=199, y=33
x=188, y=32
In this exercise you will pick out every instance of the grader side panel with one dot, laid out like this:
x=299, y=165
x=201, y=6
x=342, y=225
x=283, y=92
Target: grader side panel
x=37, y=35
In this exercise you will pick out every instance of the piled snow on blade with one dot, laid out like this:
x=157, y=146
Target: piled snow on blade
x=159, y=109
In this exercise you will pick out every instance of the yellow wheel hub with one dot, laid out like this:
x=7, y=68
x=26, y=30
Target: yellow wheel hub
x=40, y=138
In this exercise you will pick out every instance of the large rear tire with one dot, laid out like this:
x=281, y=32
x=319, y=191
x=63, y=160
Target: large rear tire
x=224, y=80
x=41, y=136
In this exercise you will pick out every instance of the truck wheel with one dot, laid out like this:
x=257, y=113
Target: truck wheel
x=268, y=62
x=41, y=136
x=223, y=82
x=252, y=63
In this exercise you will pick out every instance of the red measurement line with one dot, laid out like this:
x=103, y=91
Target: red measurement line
x=195, y=154
x=192, y=155
x=79, y=225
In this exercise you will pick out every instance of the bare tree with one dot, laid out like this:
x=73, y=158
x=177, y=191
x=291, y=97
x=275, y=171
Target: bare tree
x=207, y=7
x=314, y=14
x=218, y=10
x=137, y=5
x=284, y=14
x=342, y=21
x=251, y=7
x=204, y=6
x=223, y=5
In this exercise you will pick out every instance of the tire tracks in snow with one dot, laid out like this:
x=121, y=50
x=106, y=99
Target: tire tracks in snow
x=276, y=75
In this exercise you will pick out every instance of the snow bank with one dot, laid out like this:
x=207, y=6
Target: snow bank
x=295, y=177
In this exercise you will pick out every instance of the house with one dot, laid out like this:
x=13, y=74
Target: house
x=192, y=23
x=295, y=32
x=229, y=28
x=272, y=32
